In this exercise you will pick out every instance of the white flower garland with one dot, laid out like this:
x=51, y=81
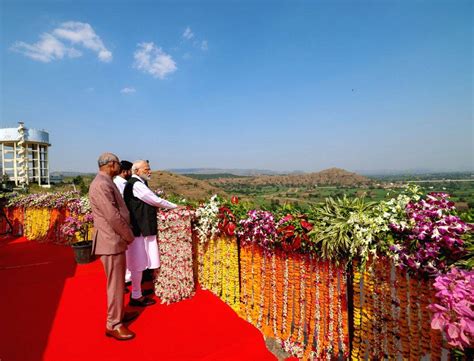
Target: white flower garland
x=207, y=220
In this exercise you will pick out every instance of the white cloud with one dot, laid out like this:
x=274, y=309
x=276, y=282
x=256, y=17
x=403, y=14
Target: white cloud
x=128, y=90
x=152, y=60
x=83, y=34
x=52, y=46
x=188, y=34
x=204, y=45
x=48, y=48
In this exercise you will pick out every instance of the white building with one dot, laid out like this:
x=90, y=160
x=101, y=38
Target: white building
x=24, y=155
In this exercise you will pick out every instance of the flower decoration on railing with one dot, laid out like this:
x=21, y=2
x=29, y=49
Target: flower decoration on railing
x=43, y=200
x=259, y=228
x=227, y=221
x=433, y=238
x=207, y=220
x=293, y=232
x=453, y=312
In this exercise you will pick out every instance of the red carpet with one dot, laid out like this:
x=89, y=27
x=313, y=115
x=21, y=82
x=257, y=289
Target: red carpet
x=53, y=309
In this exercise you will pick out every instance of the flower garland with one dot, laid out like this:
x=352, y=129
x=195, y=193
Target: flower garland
x=415, y=339
x=317, y=312
x=357, y=313
x=273, y=313
x=280, y=261
x=245, y=297
x=402, y=293
x=207, y=220
x=286, y=284
x=343, y=321
x=330, y=333
x=230, y=271
x=309, y=308
x=367, y=314
x=37, y=223
x=175, y=280
x=424, y=300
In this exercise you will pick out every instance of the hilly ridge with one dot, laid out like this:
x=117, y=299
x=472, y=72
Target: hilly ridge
x=185, y=187
x=332, y=176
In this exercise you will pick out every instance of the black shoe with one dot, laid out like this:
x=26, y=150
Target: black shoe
x=141, y=302
x=148, y=292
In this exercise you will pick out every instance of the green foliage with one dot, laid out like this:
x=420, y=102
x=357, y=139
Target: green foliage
x=334, y=232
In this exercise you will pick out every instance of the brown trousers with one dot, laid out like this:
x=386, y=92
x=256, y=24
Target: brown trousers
x=114, y=266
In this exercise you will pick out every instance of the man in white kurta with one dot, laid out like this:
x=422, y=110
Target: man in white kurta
x=125, y=173
x=143, y=253
x=120, y=181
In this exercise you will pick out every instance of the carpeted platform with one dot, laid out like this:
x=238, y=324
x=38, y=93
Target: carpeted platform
x=52, y=309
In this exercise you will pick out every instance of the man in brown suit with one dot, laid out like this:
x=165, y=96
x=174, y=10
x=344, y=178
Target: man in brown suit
x=112, y=236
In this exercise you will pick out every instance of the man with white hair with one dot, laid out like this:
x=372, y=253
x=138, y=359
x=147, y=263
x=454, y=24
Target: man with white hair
x=143, y=253
x=111, y=238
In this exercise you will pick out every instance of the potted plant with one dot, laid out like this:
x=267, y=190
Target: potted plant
x=76, y=230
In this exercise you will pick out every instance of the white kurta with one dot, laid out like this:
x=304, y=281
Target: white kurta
x=120, y=183
x=143, y=252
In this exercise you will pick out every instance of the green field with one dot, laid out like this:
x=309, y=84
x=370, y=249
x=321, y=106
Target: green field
x=273, y=196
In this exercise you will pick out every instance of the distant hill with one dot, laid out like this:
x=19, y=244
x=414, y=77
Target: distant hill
x=241, y=172
x=189, y=188
x=72, y=174
x=212, y=176
x=332, y=176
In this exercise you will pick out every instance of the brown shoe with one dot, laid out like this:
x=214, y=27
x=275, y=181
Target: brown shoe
x=130, y=316
x=121, y=333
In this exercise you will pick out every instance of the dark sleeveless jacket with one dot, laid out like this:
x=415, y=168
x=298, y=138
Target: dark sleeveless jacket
x=142, y=215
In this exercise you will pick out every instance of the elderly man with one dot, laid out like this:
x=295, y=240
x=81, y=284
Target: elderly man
x=112, y=236
x=143, y=253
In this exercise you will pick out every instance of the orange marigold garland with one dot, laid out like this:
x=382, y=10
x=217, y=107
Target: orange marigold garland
x=342, y=315
x=380, y=314
x=402, y=291
x=415, y=340
x=331, y=323
x=289, y=299
x=261, y=286
x=436, y=338
x=425, y=317
x=280, y=267
x=256, y=284
x=285, y=323
x=296, y=281
x=367, y=313
x=357, y=310
x=309, y=308
x=301, y=301
x=245, y=261
x=274, y=306
x=317, y=310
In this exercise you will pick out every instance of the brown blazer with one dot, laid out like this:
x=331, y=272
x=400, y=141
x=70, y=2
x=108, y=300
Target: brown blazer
x=112, y=232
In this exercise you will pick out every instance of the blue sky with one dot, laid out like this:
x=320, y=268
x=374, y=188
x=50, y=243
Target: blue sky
x=294, y=85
